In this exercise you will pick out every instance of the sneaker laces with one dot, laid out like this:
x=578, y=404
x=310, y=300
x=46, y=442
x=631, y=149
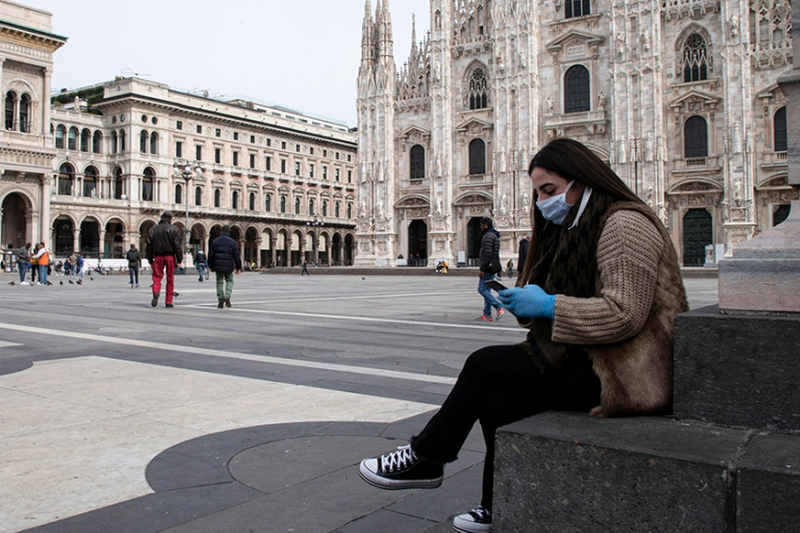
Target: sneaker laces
x=481, y=513
x=403, y=457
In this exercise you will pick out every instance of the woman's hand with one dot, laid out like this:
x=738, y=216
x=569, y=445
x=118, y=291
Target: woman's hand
x=529, y=301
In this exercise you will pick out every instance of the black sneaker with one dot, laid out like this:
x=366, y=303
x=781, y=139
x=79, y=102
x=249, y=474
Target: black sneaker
x=220, y=304
x=169, y=306
x=401, y=469
x=227, y=302
x=478, y=520
x=154, y=301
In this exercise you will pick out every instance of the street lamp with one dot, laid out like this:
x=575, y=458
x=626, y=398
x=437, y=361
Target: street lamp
x=183, y=169
x=316, y=224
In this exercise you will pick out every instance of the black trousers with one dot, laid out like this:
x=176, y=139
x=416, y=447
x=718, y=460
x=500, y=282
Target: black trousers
x=499, y=385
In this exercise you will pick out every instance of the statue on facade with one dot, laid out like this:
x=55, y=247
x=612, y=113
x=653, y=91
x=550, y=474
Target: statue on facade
x=525, y=202
x=549, y=103
x=646, y=39
x=601, y=100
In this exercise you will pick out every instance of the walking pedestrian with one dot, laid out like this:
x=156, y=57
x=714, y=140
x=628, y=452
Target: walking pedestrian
x=489, y=258
x=523, y=253
x=599, y=297
x=223, y=259
x=23, y=259
x=163, y=249
x=305, y=269
x=79, y=266
x=42, y=258
x=134, y=263
x=201, y=264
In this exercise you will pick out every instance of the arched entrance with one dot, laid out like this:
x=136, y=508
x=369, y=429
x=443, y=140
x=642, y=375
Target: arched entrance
x=697, y=233
x=64, y=235
x=281, y=252
x=143, y=230
x=90, y=238
x=113, y=241
x=197, y=239
x=295, y=249
x=474, y=237
x=349, y=246
x=418, y=240
x=336, y=249
x=250, y=245
x=266, y=248
x=15, y=225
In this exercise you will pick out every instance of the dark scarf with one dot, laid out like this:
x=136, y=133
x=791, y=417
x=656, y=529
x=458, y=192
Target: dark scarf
x=565, y=262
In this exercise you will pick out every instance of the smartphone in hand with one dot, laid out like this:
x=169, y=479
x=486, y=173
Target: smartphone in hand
x=495, y=285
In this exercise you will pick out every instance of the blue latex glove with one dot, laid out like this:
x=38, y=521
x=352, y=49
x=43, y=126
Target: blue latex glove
x=529, y=301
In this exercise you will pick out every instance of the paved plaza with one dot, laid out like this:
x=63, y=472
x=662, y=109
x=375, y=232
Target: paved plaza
x=120, y=417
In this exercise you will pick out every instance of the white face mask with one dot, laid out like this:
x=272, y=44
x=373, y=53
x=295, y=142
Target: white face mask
x=555, y=209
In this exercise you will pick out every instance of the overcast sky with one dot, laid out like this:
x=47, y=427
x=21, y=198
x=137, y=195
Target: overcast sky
x=302, y=54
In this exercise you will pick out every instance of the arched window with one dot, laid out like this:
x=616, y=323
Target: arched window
x=114, y=142
x=417, y=157
x=198, y=196
x=61, y=132
x=65, y=176
x=779, y=130
x=695, y=138
x=695, y=59
x=90, y=182
x=311, y=206
x=576, y=89
x=235, y=200
x=97, y=142
x=297, y=206
x=477, y=157
x=336, y=209
x=478, y=86
x=148, y=182
x=217, y=198
x=86, y=136
x=72, y=139
x=154, y=143
x=118, y=184
x=143, y=141
x=122, y=141
x=267, y=202
x=349, y=210
x=178, y=193
x=252, y=201
x=576, y=8
x=11, y=104
x=324, y=208
x=283, y=204
x=24, y=113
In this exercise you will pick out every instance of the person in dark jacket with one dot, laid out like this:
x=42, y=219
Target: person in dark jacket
x=223, y=260
x=163, y=249
x=489, y=258
x=134, y=262
x=201, y=263
x=523, y=254
x=23, y=258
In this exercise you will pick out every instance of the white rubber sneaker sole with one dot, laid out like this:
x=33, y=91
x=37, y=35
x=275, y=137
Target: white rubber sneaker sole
x=464, y=523
x=368, y=469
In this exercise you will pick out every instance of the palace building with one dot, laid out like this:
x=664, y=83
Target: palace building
x=93, y=171
x=680, y=97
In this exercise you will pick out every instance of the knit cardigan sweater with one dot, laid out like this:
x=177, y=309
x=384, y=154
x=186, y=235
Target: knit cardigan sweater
x=627, y=327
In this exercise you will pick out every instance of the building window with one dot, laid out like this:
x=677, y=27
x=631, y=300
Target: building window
x=143, y=141
x=72, y=139
x=779, y=130
x=217, y=198
x=695, y=59
x=267, y=202
x=97, y=142
x=148, y=184
x=61, y=132
x=311, y=170
x=252, y=201
x=86, y=137
x=417, y=157
x=235, y=200
x=113, y=141
x=122, y=145
x=349, y=176
x=336, y=173
x=65, y=176
x=478, y=86
x=695, y=138
x=311, y=150
x=311, y=207
x=24, y=111
x=217, y=132
x=218, y=155
x=297, y=148
x=324, y=172
x=349, y=210
x=269, y=163
x=324, y=208
x=199, y=129
x=283, y=145
x=11, y=104
x=178, y=124
x=178, y=149
x=252, y=139
x=236, y=159
x=576, y=89
x=235, y=135
x=252, y=160
x=119, y=185
x=477, y=157
x=178, y=193
x=198, y=196
x=336, y=209
x=154, y=143
x=297, y=169
x=90, y=182
x=576, y=8
x=269, y=142
x=283, y=204
x=283, y=166
x=198, y=153
x=297, y=206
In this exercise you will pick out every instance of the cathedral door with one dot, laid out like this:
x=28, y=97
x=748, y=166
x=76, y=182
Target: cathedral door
x=14, y=222
x=474, y=236
x=697, y=233
x=418, y=239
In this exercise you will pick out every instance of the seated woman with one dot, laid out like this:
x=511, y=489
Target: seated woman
x=598, y=293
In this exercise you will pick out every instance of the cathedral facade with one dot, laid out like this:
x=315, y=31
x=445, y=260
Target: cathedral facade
x=680, y=97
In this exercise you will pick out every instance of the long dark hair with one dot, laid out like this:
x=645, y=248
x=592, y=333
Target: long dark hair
x=572, y=160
